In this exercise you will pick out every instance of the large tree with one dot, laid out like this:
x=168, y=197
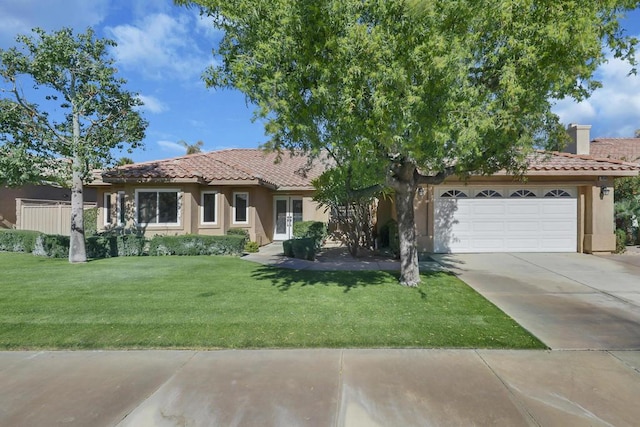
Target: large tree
x=420, y=89
x=82, y=113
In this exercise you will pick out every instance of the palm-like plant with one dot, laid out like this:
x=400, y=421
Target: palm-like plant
x=192, y=148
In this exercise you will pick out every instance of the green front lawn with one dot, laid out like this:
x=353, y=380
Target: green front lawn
x=225, y=302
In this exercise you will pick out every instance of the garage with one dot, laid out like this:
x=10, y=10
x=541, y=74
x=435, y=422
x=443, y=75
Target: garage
x=471, y=219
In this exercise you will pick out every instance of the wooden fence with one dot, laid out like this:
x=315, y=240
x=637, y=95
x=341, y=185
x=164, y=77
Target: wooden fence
x=46, y=216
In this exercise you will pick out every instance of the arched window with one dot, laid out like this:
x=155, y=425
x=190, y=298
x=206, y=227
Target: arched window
x=557, y=193
x=453, y=194
x=489, y=193
x=523, y=193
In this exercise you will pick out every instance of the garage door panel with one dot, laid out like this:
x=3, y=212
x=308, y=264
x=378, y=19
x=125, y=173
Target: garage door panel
x=507, y=224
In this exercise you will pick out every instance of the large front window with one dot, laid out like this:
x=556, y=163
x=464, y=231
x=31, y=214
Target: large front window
x=160, y=207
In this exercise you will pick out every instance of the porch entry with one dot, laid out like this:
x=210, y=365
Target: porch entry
x=288, y=211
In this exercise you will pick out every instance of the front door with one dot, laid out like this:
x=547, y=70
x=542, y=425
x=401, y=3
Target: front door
x=288, y=211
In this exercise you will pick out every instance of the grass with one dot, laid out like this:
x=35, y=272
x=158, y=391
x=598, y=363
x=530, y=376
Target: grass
x=225, y=302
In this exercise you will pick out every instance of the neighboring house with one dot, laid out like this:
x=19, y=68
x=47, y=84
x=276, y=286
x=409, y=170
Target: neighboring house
x=33, y=207
x=565, y=204
x=208, y=193
x=626, y=149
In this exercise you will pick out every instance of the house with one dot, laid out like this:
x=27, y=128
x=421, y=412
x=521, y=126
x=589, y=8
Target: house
x=208, y=193
x=627, y=149
x=564, y=205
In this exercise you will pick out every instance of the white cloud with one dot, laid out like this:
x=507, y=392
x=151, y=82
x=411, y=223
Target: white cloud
x=153, y=104
x=160, y=46
x=614, y=109
x=170, y=146
x=20, y=16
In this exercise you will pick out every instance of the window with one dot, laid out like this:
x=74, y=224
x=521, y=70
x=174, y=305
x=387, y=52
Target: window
x=107, y=208
x=489, y=193
x=453, y=194
x=121, y=208
x=208, y=207
x=557, y=193
x=159, y=207
x=241, y=208
x=523, y=193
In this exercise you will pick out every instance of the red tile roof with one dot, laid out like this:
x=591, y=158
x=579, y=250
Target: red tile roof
x=236, y=165
x=627, y=149
x=574, y=164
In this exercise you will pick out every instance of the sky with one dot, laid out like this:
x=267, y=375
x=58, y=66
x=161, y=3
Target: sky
x=162, y=51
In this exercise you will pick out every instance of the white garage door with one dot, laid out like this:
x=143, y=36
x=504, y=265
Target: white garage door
x=505, y=219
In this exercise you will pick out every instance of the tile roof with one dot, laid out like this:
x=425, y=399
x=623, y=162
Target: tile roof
x=574, y=164
x=241, y=165
x=627, y=149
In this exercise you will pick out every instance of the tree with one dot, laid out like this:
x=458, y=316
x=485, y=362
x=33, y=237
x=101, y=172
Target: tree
x=89, y=113
x=124, y=161
x=421, y=89
x=192, y=148
x=636, y=134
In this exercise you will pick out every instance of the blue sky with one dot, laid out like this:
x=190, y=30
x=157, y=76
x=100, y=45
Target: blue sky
x=163, y=49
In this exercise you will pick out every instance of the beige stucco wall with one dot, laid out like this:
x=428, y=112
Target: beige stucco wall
x=599, y=224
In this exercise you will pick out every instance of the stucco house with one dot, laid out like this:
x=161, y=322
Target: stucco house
x=564, y=205
x=208, y=193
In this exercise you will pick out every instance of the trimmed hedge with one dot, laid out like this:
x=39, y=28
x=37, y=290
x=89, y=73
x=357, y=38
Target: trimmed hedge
x=621, y=241
x=18, y=240
x=192, y=244
x=130, y=245
x=52, y=246
x=300, y=248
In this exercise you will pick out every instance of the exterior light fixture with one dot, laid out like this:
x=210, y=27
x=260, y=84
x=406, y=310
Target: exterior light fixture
x=604, y=191
x=420, y=191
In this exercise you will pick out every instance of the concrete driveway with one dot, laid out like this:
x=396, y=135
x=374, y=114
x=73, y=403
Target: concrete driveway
x=569, y=301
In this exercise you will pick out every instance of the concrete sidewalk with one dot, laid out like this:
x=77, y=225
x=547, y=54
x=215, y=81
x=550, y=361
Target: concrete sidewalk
x=319, y=388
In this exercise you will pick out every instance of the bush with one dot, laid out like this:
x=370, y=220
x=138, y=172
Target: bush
x=287, y=247
x=621, y=240
x=101, y=246
x=315, y=230
x=197, y=245
x=389, y=236
x=130, y=245
x=251, y=247
x=52, y=246
x=300, y=248
x=90, y=218
x=18, y=240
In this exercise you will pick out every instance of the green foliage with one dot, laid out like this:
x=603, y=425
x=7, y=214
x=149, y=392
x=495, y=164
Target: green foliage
x=316, y=230
x=304, y=248
x=52, y=246
x=130, y=245
x=287, y=247
x=91, y=222
x=626, y=188
x=197, y=245
x=233, y=231
x=621, y=240
x=627, y=213
x=18, y=240
x=389, y=236
x=251, y=247
x=101, y=247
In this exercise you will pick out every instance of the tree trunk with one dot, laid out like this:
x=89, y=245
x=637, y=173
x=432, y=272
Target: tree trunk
x=77, y=249
x=405, y=186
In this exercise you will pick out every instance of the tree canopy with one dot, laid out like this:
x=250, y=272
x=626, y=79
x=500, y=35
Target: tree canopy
x=420, y=89
x=76, y=113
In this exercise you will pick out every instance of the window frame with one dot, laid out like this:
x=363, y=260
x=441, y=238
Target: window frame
x=157, y=215
x=106, y=205
x=121, y=217
x=215, y=207
x=234, y=210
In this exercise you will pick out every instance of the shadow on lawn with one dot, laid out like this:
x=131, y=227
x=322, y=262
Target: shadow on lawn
x=284, y=279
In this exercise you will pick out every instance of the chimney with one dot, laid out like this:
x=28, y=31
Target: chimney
x=580, y=139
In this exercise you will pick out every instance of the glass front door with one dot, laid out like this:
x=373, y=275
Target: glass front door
x=288, y=211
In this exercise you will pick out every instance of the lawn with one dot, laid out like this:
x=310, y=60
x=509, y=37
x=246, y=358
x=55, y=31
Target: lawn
x=226, y=302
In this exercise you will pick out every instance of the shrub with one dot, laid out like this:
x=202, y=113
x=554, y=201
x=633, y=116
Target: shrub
x=304, y=248
x=18, y=240
x=287, y=247
x=251, y=247
x=315, y=230
x=101, y=246
x=52, y=246
x=130, y=245
x=197, y=245
x=389, y=236
x=621, y=240
x=90, y=221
